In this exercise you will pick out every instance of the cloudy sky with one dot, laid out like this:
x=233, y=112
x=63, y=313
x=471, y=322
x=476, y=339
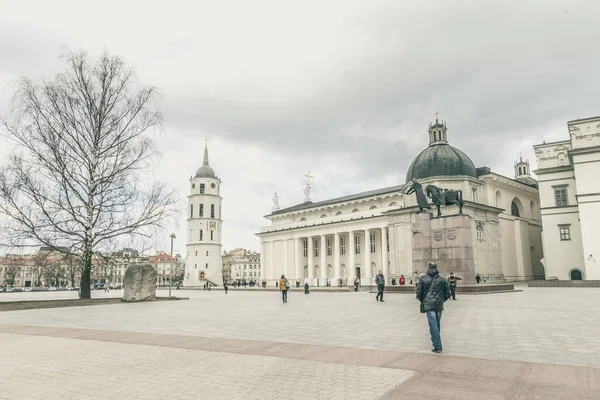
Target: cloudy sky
x=342, y=88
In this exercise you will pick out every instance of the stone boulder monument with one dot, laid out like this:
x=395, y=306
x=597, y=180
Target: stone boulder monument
x=140, y=283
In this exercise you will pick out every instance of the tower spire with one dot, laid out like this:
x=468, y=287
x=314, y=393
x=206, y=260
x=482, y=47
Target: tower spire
x=205, y=151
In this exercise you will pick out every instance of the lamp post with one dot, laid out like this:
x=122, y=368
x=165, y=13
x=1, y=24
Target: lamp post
x=171, y=265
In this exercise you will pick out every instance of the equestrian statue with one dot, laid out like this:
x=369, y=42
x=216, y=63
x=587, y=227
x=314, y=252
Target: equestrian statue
x=445, y=197
x=439, y=197
x=417, y=189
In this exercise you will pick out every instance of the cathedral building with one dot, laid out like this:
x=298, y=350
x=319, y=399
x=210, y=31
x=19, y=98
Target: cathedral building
x=359, y=234
x=570, y=202
x=204, y=226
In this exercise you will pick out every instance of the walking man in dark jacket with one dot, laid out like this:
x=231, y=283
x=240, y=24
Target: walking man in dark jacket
x=452, y=282
x=432, y=292
x=380, y=282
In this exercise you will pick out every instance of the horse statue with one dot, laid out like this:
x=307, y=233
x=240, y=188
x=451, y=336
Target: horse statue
x=417, y=189
x=445, y=197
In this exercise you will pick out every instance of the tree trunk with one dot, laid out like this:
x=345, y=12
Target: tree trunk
x=84, y=288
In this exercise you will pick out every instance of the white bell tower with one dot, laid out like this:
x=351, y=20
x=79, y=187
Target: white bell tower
x=204, y=226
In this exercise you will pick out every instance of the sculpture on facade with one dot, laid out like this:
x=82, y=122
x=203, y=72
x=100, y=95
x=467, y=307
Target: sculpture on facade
x=417, y=189
x=307, y=194
x=275, y=202
x=445, y=197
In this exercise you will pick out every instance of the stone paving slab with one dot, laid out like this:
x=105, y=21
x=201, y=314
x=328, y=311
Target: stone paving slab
x=537, y=325
x=443, y=376
x=78, y=369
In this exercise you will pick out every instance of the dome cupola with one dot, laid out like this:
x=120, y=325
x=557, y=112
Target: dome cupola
x=440, y=159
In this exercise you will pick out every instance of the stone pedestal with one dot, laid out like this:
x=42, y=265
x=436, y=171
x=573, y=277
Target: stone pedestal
x=446, y=241
x=139, y=283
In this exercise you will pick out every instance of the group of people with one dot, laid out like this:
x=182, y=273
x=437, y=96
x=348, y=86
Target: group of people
x=432, y=291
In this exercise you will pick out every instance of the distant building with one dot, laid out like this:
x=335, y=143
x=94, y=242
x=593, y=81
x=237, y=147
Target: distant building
x=569, y=183
x=242, y=265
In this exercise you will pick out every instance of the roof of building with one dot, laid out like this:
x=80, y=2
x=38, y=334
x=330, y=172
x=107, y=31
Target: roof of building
x=528, y=181
x=440, y=159
x=205, y=171
x=356, y=196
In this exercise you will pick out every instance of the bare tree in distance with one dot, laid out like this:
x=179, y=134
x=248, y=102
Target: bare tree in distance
x=75, y=178
x=10, y=274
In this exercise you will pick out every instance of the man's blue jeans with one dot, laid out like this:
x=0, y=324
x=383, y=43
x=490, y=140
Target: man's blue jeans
x=434, y=318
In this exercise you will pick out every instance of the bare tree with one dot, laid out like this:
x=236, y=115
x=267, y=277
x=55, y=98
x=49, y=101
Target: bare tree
x=75, y=179
x=72, y=266
x=54, y=273
x=41, y=262
x=10, y=274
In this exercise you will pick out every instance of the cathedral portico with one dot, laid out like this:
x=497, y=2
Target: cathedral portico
x=359, y=234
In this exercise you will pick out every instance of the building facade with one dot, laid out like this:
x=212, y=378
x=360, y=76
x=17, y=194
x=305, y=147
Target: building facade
x=204, y=227
x=568, y=173
x=357, y=235
x=246, y=267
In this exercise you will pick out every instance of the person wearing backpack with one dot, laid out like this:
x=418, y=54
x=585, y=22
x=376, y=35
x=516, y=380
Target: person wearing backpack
x=432, y=293
x=284, y=285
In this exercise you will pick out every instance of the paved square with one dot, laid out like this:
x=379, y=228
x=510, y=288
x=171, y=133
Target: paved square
x=247, y=344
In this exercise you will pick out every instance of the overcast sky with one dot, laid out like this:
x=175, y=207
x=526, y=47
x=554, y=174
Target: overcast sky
x=343, y=88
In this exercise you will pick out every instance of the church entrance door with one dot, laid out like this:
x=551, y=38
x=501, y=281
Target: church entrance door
x=357, y=273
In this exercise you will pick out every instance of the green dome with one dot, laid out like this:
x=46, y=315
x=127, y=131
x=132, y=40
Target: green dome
x=440, y=159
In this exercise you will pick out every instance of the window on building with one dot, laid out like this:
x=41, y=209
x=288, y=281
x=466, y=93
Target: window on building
x=201, y=210
x=202, y=187
x=565, y=232
x=342, y=245
x=479, y=230
x=329, y=252
x=196, y=252
x=356, y=244
x=561, y=197
x=305, y=244
x=474, y=195
x=206, y=265
x=191, y=211
x=201, y=235
x=372, y=240
x=387, y=240
x=514, y=209
x=207, y=252
x=317, y=248
x=212, y=235
x=212, y=210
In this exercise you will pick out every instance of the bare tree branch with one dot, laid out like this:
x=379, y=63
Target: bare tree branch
x=75, y=180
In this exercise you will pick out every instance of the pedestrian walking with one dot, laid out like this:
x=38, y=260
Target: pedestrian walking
x=306, y=290
x=416, y=277
x=284, y=285
x=356, y=283
x=432, y=292
x=402, y=280
x=380, y=282
x=477, y=279
x=452, y=282
x=276, y=284
x=225, y=287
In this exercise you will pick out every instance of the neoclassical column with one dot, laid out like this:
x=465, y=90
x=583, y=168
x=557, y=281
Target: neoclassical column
x=384, y=254
x=297, y=259
x=336, y=259
x=271, y=266
x=323, y=260
x=311, y=256
x=367, y=258
x=263, y=259
x=351, y=259
x=285, y=259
